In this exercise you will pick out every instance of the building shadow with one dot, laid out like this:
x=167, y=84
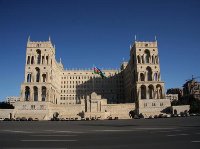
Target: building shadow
x=110, y=88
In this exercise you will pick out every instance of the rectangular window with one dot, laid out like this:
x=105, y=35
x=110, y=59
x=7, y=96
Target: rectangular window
x=32, y=107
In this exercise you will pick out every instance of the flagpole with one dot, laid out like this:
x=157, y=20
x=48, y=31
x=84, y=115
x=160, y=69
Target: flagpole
x=93, y=79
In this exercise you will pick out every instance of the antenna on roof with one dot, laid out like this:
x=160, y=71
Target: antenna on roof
x=155, y=38
x=49, y=38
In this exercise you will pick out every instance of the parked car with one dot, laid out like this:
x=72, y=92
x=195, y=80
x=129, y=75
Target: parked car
x=23, y=119
x=110, y=118
x=136, y=117
x=151, y=117
x=193, y=114
x=7, y=119
x=161, y=116
x=17, y=119
x=30, y=119
x=116, y=118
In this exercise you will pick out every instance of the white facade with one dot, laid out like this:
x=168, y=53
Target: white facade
x=49, y=88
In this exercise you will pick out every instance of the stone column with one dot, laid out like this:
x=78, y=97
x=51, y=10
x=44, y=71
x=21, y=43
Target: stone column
x=147, y=93
x=31, y=94
x=139, y=93
x=39, y=94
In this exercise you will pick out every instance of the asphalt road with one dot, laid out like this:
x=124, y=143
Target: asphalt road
x=165, y=133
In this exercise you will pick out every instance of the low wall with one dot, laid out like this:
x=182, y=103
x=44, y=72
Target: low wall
x=6, y=113
x=119, y=110
x=180, y=109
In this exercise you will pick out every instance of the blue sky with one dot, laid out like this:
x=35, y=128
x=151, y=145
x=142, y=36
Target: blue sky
x=99, y=32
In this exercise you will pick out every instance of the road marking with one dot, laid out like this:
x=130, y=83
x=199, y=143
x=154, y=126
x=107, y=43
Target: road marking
x=113, y=130
x=48, y=140
x=178, y=135
x=195, y=141
x=156, y=128
x=53, y=135
x=63, y=131
x=164, y=131
x=17, y=131
x=58, y=131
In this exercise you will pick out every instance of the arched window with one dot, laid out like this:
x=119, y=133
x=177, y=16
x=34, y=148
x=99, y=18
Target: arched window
x=44, y=90
x=138, y=58
x=151, y=91
x=143, y=92
x=42, y=59
x=28, y=60
x=32, y=60
x=35, y=90
x=149, y=73
x=147, y=56
x=159, y=92
x=156, y=60
x=142, y=57
x=27, y=93
x=28, y=78
x=37, y=74
x=155, y=77
x=142, y=78
x=152, y=59
x=44, y=77
x=47, y=59
x=38, y=56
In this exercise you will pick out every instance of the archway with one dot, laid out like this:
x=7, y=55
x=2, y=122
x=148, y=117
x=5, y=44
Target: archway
x=142, y=77
x=38, y=56
x=143, y=92
x=44, y=90
x=151, y=91
x=37, y=74
x=27, y=93
x=35, y=90
x=147, y=56
x=149, y=73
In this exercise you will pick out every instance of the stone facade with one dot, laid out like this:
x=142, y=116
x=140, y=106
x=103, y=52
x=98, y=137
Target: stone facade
x=192, y=88
x=172, y=97
x=49, y=89
x=180, y=109
x=12, y=99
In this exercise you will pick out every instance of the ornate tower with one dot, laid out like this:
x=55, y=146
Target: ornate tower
x=149, y=89
x=40, y=81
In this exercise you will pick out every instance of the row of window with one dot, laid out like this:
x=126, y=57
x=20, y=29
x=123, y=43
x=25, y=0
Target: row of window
x=33, y=107
x=67, y=103
x=153, y=104
x=85, y=77
x=90, y=81
x=84, y=91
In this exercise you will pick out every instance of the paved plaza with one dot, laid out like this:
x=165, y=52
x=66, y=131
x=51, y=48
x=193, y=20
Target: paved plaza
x=162, y=133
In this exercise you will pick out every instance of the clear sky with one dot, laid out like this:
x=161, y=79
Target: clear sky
x=99, y=32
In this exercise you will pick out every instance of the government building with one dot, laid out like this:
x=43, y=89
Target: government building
x=49, y=90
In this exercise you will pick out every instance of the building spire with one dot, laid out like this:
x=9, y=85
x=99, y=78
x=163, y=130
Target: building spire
x=60, y=61
x=29, y=38
x=135, y=38
x=155, y=38
x=49, y=38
